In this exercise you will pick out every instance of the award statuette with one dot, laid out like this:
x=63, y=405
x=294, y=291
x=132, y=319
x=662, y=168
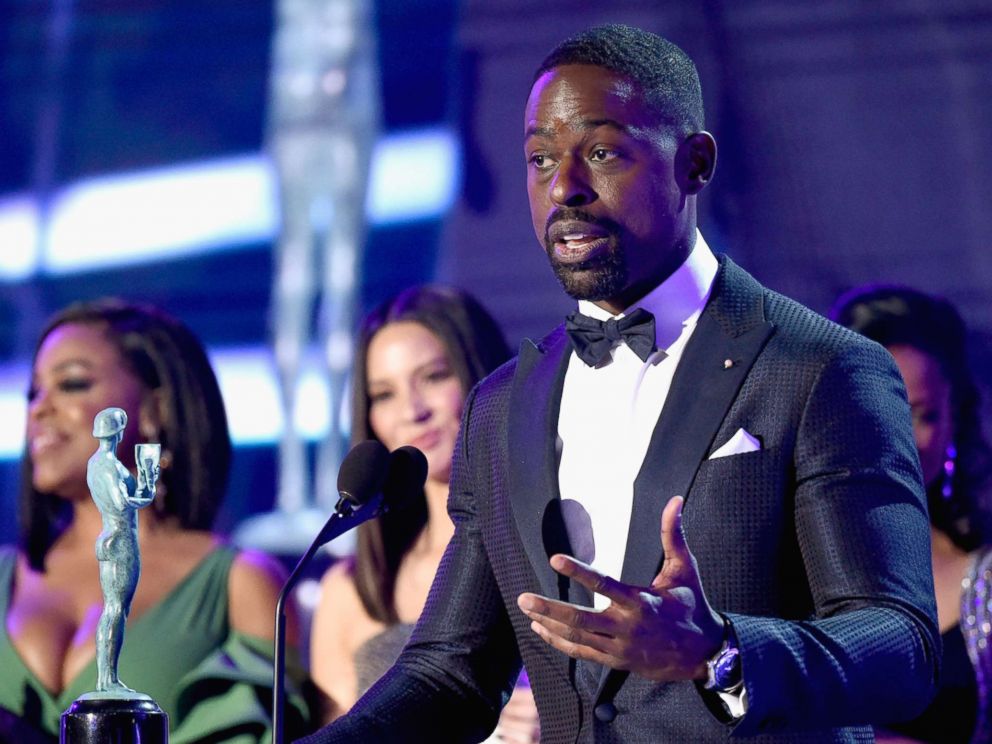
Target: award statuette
x=114, y=713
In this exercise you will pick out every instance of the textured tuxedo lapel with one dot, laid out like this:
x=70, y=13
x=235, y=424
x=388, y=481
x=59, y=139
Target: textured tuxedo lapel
x=535, y=400
x=732, y=327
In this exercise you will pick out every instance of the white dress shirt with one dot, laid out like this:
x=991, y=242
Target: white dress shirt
x=609, y=412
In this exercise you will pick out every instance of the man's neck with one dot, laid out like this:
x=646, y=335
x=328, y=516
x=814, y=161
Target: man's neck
x=677, y=295
x=633, y=294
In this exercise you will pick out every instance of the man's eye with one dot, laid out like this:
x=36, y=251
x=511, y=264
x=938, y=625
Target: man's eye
x=601, y=154
x=540, y=161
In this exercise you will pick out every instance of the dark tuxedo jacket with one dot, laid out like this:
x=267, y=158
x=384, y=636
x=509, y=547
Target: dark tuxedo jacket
x=816, y=547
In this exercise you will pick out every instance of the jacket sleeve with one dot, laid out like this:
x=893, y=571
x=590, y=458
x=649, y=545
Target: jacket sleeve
x=871, y=650
x=457, y=671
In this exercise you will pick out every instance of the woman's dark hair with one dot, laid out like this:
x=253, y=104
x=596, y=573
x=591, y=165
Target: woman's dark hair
x=166, y=357
x=900, y=316
x=475, y=346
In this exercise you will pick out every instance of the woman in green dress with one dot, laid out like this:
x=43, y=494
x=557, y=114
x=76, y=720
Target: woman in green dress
x=199, y=634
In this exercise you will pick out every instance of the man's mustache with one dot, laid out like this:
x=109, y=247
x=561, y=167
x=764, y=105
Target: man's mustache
x=578, y=215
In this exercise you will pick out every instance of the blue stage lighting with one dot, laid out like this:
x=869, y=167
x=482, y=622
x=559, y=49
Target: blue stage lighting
x=206, y=206
x=162, y=213
x=19, y=237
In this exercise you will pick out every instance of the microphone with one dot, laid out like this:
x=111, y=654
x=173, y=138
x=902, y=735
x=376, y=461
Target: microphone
x=371, y=480
x=406, y=476
x=361, y=478
x=363, y=473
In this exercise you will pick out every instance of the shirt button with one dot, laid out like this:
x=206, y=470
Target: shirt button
x=605, y=712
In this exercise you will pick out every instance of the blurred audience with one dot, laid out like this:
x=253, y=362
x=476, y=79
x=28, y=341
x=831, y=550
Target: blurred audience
x=927, y=338
x=199, y=635
x=417, y=357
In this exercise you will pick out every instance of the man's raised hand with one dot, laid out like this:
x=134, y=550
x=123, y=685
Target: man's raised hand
x=663, y=632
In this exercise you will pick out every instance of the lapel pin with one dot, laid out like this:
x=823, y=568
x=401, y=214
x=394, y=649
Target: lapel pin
x=728, y=363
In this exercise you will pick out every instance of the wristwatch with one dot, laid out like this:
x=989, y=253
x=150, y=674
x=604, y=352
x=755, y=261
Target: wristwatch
x=723, y=670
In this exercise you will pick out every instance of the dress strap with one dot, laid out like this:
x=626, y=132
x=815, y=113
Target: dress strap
x=8, y=563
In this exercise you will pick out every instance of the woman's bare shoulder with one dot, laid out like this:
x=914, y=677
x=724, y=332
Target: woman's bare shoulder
x=340, y=610
x=254, y=584
x=339, y=597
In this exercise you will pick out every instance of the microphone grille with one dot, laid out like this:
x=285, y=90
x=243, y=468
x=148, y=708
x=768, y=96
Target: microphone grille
x=364, y=471
x=407, y=474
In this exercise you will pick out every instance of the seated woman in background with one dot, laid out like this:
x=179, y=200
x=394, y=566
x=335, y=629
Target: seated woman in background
x=199, y=635
x=417, y=357
x=926, y=336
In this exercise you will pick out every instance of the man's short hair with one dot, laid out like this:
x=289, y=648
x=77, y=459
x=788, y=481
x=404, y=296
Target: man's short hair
x=665, y=74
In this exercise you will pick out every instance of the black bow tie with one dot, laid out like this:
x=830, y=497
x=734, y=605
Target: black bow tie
x=593, y=339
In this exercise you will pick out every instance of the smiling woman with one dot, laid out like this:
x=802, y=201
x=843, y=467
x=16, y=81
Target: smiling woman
x=77, y=373
x=418, y=356
x=200, y=613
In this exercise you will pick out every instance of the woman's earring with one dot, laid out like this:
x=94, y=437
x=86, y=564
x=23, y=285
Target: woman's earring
x=164, y=463
x=947, y=488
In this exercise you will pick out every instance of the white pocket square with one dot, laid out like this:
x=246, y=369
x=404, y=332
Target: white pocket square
x=738, y=444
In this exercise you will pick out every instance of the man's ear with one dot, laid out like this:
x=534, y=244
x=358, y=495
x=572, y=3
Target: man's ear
x=695, y=161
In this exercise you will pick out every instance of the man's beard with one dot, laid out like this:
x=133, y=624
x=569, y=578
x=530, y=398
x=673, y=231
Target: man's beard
x=601, y=278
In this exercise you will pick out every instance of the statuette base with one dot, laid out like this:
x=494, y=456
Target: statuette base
x=114, y=721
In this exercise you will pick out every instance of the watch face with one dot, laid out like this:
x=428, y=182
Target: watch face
x=727, y=669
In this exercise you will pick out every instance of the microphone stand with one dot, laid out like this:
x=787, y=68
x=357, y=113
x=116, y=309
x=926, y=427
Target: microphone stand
x=346, y=516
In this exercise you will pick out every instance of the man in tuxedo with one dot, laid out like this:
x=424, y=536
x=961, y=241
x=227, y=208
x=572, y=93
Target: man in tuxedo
x=695, y=509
